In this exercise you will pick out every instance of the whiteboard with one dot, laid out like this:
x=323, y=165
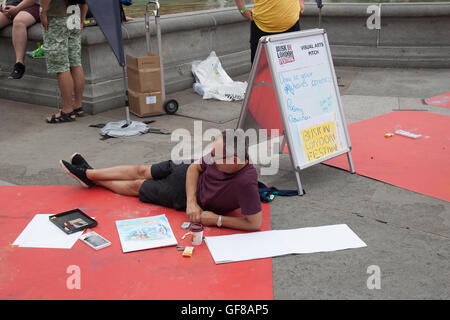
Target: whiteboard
x=308, y=97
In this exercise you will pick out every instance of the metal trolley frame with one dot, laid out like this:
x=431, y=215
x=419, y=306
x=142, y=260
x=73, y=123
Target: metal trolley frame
x=170, y=106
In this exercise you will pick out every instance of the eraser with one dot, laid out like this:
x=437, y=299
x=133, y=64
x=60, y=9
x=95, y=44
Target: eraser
x=185, y=225
x=188, y=251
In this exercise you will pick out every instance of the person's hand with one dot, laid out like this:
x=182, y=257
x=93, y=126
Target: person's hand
x=4, y=6
x=248, y=14
x=193, y=212
x=11, y=11
x=81, y=26
x=44, y=20
x=208, y=218
x=302, y=7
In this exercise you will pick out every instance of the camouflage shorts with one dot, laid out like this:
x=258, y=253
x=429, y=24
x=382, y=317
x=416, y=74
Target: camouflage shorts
x=62, y=46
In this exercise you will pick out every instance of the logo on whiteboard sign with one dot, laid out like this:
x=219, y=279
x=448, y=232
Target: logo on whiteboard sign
x=285, y=54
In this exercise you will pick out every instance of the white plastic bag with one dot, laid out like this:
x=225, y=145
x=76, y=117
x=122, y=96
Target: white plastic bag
x=213, y=82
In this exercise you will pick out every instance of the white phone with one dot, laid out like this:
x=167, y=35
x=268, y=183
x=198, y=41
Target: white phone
x=94, y=240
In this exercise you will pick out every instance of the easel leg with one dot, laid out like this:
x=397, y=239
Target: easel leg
x=281, y=148
x=350, y=162
x=299, y=183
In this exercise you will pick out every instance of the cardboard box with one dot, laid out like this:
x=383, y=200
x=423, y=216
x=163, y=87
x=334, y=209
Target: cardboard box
x=144, y=73
x=145, y=104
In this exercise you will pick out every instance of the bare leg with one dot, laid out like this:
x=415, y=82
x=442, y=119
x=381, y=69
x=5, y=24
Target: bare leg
x=140, y=172
x=78, y=84
x=19, y=33
x=125, y=188
x=4, y=20
x=65, y=84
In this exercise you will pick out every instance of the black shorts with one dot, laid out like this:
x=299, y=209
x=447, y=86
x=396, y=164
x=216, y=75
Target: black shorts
x=256, y=34
x=168, y=186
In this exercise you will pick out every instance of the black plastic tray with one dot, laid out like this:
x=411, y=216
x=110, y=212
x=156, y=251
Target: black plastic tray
x=72, y=221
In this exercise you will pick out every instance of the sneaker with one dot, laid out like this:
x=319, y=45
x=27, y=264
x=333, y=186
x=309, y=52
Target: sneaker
x=18, y=71
x=77, y=173
x=77, y=160
x=38, y=53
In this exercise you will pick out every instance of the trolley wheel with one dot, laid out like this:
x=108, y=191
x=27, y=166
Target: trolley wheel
x=171, y=106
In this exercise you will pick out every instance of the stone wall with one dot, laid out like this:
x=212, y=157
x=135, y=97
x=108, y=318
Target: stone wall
x=411, y=35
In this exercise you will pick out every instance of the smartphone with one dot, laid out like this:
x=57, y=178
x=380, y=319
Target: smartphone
x=94, y=240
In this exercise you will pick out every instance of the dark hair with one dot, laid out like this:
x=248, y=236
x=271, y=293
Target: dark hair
x=238, y=146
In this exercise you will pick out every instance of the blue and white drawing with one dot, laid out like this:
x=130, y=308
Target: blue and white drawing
x=145, y=233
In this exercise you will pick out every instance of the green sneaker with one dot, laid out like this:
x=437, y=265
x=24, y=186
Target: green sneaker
x=38, y=53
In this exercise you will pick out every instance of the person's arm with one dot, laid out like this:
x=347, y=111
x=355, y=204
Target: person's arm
x=302, y=6
x=248, y=223
x=83, y=13
x=193, y=210
x=45, y=4
x=247, y=13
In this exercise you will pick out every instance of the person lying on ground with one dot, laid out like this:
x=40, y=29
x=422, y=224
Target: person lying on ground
x=207, y=189
x=21, y=14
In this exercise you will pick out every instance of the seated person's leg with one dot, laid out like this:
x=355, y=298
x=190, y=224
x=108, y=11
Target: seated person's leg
x=19, y=34
x=21, y=23
x=4, y=20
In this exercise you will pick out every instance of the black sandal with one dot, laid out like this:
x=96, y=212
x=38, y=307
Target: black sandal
x=64, y=117
x=79, y=112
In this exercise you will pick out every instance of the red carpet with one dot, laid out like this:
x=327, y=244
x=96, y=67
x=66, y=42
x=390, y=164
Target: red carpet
x=162, y=273
x=420, y=165
x=442, y=100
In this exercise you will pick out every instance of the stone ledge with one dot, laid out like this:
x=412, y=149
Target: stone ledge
x=411, y=35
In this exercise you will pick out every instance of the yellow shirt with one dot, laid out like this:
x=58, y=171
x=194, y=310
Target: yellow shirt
x=275, y=15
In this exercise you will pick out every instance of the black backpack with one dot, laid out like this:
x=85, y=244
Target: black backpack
x=267, y=194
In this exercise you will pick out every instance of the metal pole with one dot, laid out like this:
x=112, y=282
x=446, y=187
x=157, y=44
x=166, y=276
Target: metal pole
x=350, y=162
x=319, y=5
x=125, y=85
x=158, y=37
x=147, y=27
x=379, y=27
x=299, y=183
x=158, y=40
x=283, y=141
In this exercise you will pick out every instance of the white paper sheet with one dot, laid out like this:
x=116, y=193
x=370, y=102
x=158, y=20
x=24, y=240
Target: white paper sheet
x=265, y=244
x=41, y=233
